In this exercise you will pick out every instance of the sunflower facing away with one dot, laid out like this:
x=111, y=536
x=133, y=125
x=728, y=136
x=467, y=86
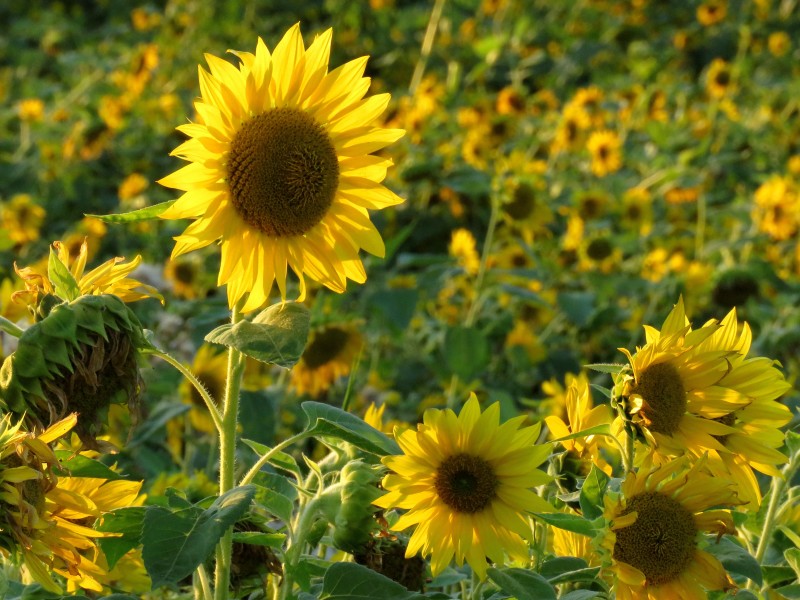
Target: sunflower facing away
x=465, y=483
x=653, y=536
x=281, y=169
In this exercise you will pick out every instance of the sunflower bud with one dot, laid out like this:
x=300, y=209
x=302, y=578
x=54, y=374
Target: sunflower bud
x=353, y=522
x=80, y=357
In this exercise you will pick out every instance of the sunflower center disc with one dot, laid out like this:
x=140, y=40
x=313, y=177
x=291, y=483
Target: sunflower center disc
x=283, y=172
x=325, y=346
x=661, y=542
x=661, y=388
x=467, y=484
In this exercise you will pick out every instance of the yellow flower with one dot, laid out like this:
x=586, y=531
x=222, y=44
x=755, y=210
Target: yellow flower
x=185, y=273
x=109, y=278
x=719, y=79
x=637, y=211
x=21, y=219
x=281, y=169
x=31, y=109
x=712, y=12
x=581, y=414
x=329, y=355
x=776, y=211
x=465, y=483
x=462, y=248
x=653, y=536
x=567, y=543
x=605, y=148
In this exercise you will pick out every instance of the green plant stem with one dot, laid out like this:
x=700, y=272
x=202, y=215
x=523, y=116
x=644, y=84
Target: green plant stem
x=304, y=521
x=10, y=327
x=248, y=478
x=205, y=584
x=427, y=46
x=778, y=487
x=227, y=457
x=186, y=372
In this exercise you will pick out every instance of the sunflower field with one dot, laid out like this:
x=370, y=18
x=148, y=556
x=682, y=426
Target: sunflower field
x=400, y=300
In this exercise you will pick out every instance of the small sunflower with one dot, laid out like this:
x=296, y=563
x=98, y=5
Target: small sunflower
x=719, y=79
x=281, y=169
x=209, y=367
x=21, y=218
x=463, y=248
x=712, y=12
x=776, y=208
x=328, y=356
x=606, y=150
x=185, y=275
x=465, y=482
x=653, y=536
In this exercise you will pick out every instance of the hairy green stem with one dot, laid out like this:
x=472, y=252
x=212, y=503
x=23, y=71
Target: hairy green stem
x=10, y=327
x=778, y=487
x=227, y=456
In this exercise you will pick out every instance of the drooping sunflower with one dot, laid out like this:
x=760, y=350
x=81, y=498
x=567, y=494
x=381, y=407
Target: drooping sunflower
x=465, y=483
x=653, y=536
x=281, y=169
x=328, y=356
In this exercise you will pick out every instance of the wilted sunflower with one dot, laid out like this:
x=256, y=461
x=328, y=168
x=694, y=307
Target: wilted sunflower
x=653, y=539
x=281, y=169
x=328, y=356
x=465, y=482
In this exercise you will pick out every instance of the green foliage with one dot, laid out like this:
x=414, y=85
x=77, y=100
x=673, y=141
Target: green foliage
x=522, y=584
x=324, y=420
x=176, y=540
x=592, y=492
x=349, y=581
x=135, y=216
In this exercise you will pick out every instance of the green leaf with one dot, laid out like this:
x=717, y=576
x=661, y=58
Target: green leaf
x=351, y=581
x=127, y=521
x=257, y=538
x=793, y=537
x=792, y=556
x=603, y=429
x=793, y=442
x=277, y=335
x=581, y=595
x=157, y=419
x=275, y=503
x=592, y=492
x=792, y=592
x=176, y=542
x=522, y=584
x=568, y=522
x=324, y=419
x=577, y=306
x=556, y=567
x=612, y=368
x=775, y=574
x=147, y=213
x=280, y=459
x=65, y=285
x=736, y=559
x=466, y=351
x=396, y=306
x=81, y=466
x=587, y=575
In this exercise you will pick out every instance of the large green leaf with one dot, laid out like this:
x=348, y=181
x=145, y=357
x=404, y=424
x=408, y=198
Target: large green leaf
x=175, y=542
x=466, y=351
x=148, y=213
x=736, y=559
x=351, y=581
x=522, y=584
x=327, y=420
x=277, y=335
x=592, y=492
x=126, y=521
x=78, y=465
x=280, y=459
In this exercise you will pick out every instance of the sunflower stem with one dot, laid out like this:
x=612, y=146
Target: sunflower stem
x=227, y=457
x=186, y=372
x=10, y=327
x=778, y=487
x=205, y=584
x=427, y=46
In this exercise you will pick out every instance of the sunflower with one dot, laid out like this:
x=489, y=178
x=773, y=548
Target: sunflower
x=21, y=219
x=328, y=356
x=653, y=536
x=776, y=208
x=605, y=148
x=46, y=519
x=465, y=481
x=185, y=274
x=712, y=12
x=209, y=366
x=281, y=169
x=719, y=79
x=697, y=391
x=581, y=414
x=462, y=247
x=109, y=278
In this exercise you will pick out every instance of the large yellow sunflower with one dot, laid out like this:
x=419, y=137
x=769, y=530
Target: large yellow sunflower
x=698, y=391
x=465, y=482
x=281, y=169
x=653, y=540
